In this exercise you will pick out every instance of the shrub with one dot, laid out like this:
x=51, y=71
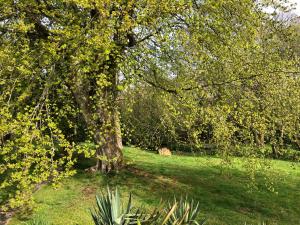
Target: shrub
x=182, y=212
x=109, y=210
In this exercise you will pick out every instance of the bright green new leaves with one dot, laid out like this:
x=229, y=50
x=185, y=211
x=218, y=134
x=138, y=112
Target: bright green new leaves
x=29, y=151
x=226, y=75
x=222, y=68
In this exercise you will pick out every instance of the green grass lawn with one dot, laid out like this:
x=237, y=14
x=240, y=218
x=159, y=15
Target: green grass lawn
x=224, y=197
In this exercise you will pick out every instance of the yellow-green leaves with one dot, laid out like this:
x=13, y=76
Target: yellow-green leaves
x=218, y=69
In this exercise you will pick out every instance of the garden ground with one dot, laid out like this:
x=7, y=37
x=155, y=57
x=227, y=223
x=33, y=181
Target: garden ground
x=223, y=192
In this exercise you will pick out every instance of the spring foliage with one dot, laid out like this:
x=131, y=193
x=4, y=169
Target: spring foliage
x=66, y=64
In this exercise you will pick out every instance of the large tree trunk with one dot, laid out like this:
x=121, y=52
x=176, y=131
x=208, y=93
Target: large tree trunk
x=96, y=95
x=109, y=144
x=102, y=120
x=109, y=140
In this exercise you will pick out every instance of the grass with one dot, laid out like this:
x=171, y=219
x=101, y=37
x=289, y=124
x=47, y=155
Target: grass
x=224, y=195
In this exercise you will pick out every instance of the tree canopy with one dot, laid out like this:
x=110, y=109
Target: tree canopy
x=218, y=71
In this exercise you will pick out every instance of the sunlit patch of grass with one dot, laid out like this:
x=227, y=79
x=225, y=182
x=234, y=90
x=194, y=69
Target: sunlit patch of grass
x=224, y=197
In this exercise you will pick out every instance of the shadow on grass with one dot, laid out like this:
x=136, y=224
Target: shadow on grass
x=223, y=196
x=225, y=199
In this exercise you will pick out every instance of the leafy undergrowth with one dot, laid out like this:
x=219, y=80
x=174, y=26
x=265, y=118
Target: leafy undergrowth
x=224, y=195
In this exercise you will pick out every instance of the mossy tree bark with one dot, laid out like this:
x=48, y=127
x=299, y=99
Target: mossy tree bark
x=98, y=105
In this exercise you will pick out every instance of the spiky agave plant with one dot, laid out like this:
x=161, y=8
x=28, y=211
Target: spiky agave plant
x=109, y=210
x=182, y=212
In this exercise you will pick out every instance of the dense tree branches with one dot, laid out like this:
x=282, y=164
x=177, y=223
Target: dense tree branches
x=65, y=63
